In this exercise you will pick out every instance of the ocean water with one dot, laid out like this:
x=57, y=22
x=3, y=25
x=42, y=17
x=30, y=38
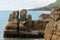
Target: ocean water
x=4, y=15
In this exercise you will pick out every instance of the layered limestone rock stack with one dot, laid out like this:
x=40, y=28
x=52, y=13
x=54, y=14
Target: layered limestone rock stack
x=21, y=22
x=23, y=15
x=40, y=24
x=44, y=16
x=25, y=22
x=12, y=23
x=56, y=32
x=29, y=23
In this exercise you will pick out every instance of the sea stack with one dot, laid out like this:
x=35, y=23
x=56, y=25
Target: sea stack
x=21, y=25
x=23, y=15
x=23, y=19
x=12, y=24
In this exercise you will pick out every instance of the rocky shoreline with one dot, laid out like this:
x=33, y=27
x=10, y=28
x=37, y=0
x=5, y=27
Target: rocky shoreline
x=21, y=25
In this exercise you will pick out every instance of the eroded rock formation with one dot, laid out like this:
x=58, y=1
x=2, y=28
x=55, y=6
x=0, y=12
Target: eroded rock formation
x=12, y=25
x=23, y=15
x=52, y=28
x=20, y=23
x=44, y=16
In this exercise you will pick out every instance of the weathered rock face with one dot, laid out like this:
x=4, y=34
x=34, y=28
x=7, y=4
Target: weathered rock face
x=44, y=16
x=29, y=23
x=23, y=15
x=13, y=16
x=23, y=18
x=13, y=21
x=40, y=24
x=23, y=22
x=56, y=34
x=49, y=30
x=53, y=27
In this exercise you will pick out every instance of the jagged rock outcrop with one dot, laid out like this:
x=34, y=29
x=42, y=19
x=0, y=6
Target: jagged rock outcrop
x=13, y=20
x=11, y=27
x=20, y=23
x=23, y=19
x=44, y=16
x=52, y=31
x=23, y=15
x=56, y=32
x=40, y=24
x=13, y=16
x=29, y=22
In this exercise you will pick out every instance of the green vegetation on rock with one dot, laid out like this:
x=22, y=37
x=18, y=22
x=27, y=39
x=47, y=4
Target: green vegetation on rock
x=49, y=7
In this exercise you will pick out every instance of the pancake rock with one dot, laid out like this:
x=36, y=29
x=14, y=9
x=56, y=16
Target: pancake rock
x=12, y=23
x=21, y=25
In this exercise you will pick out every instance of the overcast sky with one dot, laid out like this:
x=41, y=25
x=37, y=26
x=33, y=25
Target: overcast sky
x=23, y=4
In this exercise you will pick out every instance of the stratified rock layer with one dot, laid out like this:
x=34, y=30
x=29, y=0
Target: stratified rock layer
x=21, y=25
x=11, y=27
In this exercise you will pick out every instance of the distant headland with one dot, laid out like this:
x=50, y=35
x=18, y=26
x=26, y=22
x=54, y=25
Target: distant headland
x=47, y=8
